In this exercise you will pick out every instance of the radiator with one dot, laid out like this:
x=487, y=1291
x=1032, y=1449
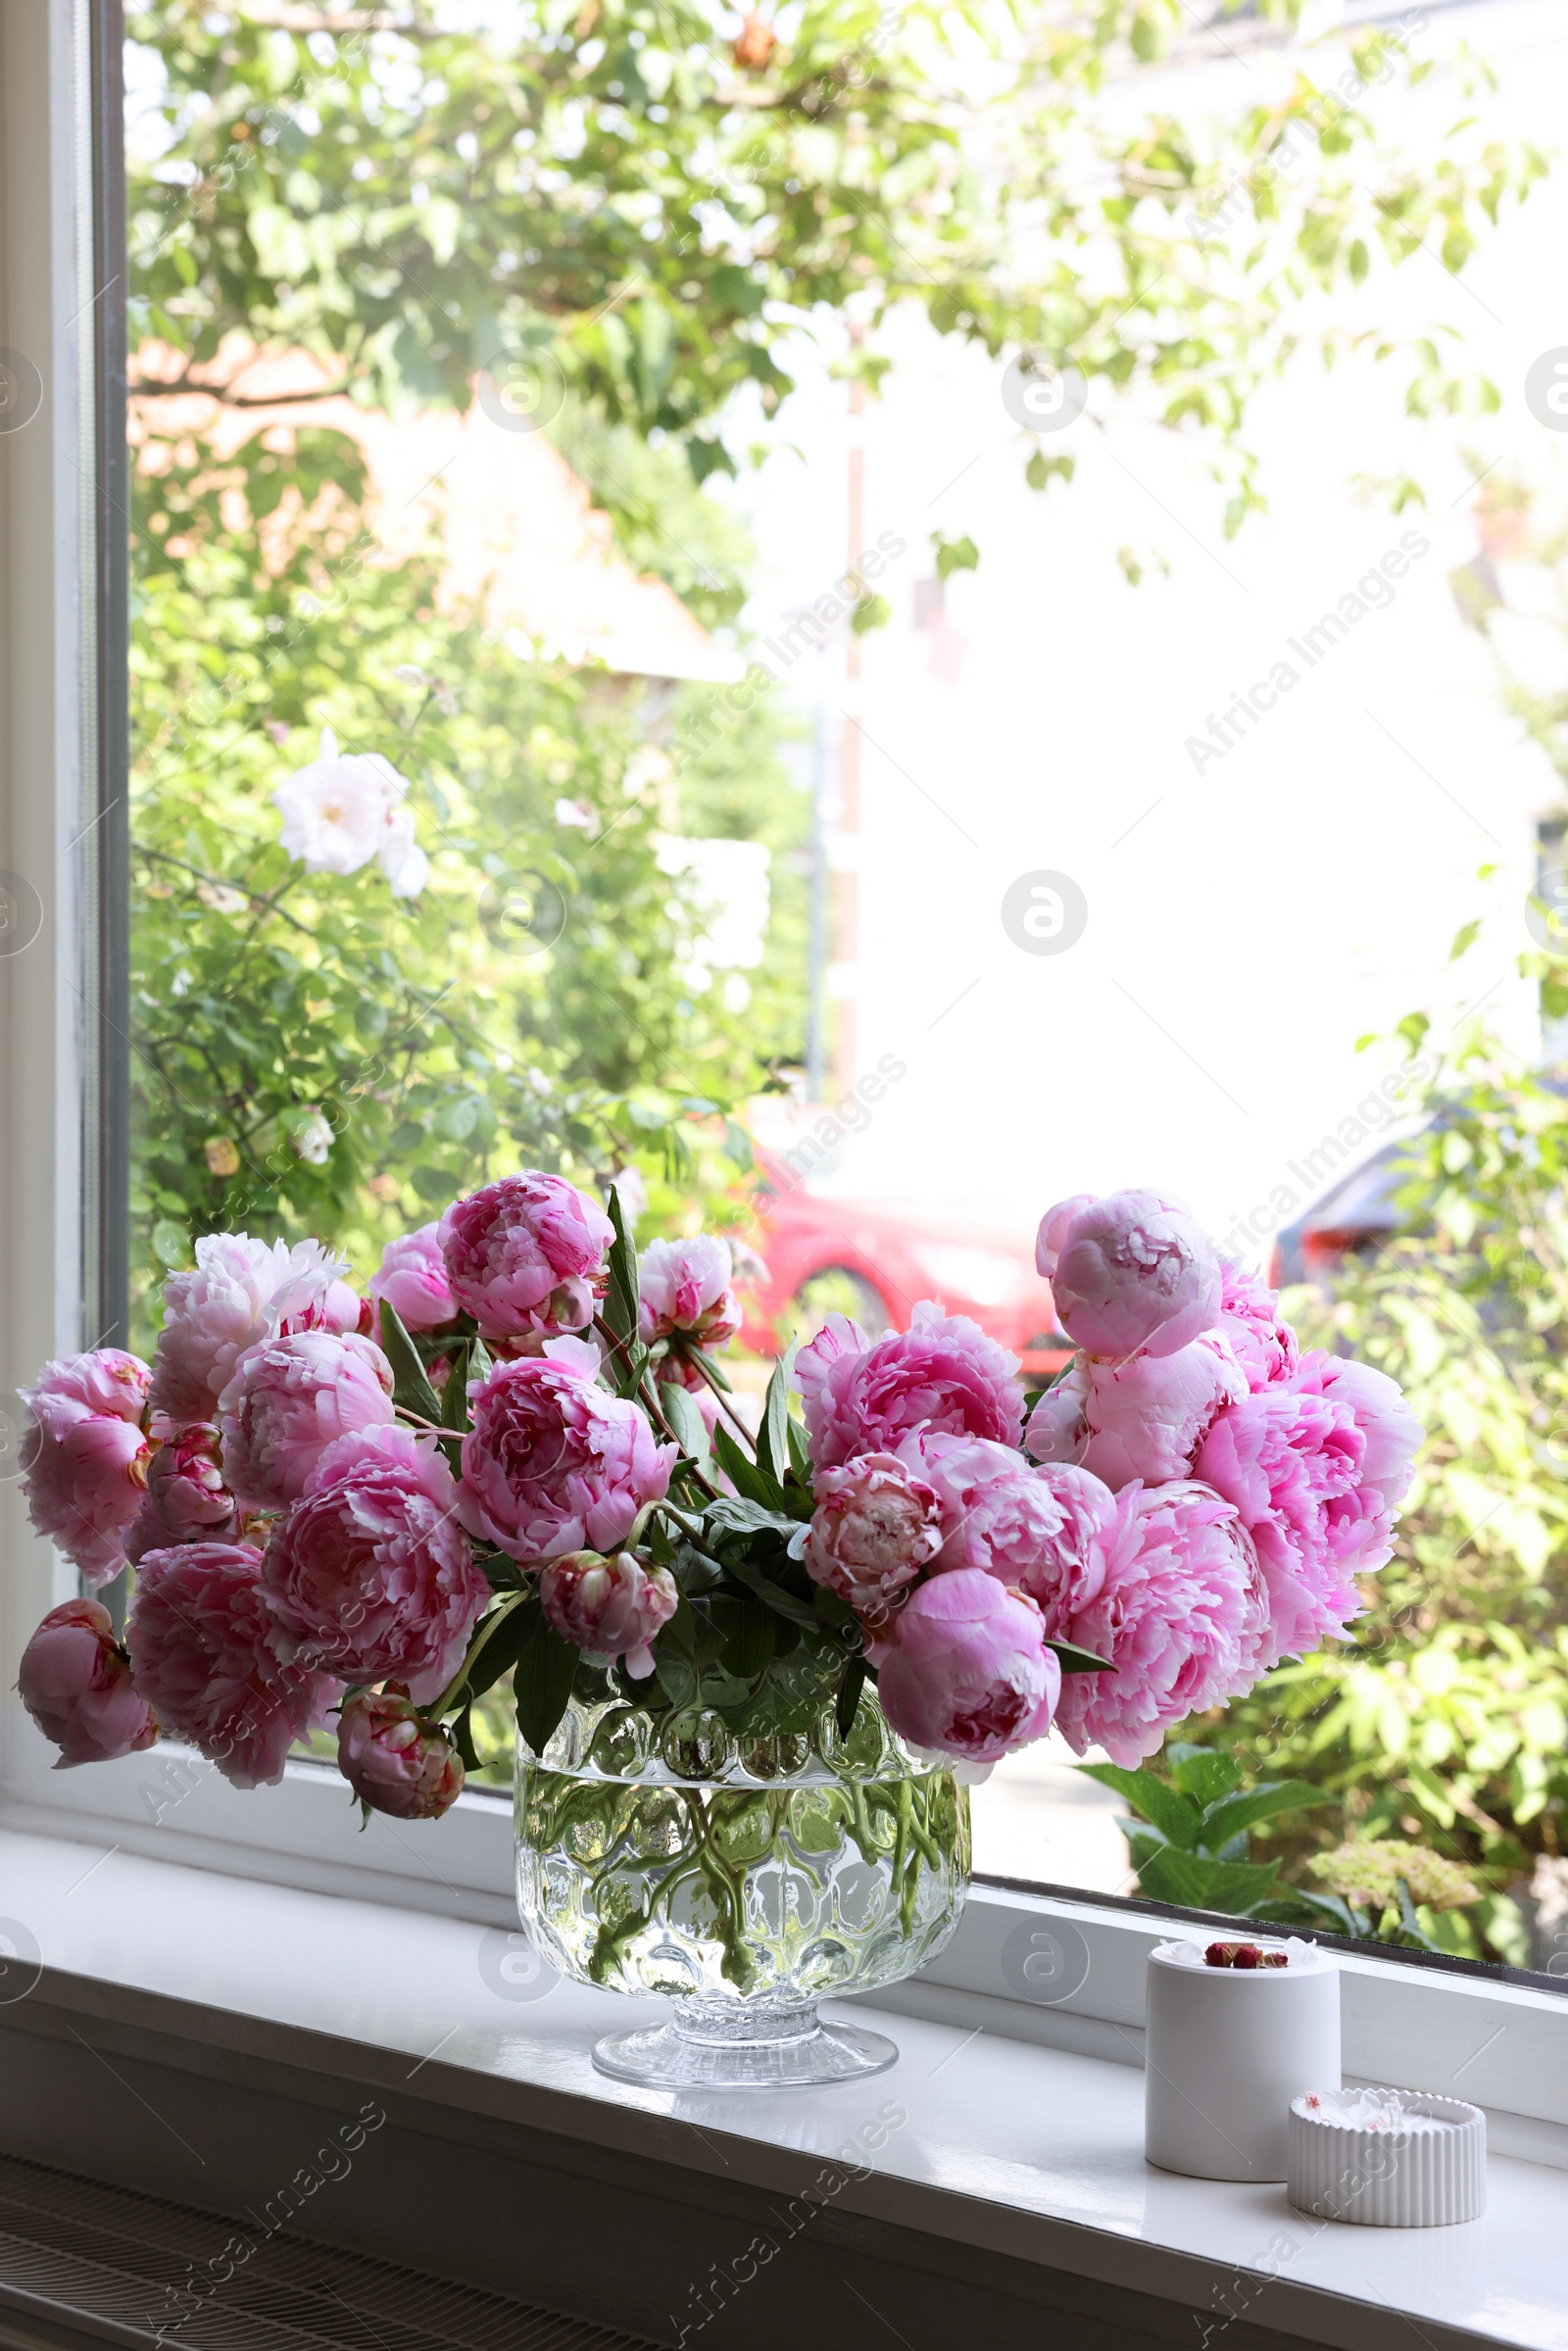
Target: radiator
x=80, y=2263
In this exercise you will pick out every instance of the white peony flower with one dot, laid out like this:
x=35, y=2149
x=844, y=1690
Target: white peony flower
x=343, y=809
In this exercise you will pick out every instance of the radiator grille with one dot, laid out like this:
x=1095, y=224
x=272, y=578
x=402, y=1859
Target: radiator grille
x=108, y=2259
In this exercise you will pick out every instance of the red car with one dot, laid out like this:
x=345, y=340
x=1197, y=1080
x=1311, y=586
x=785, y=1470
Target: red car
x=876, y=1263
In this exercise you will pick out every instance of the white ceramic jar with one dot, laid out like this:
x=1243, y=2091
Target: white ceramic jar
x=1228, y=2049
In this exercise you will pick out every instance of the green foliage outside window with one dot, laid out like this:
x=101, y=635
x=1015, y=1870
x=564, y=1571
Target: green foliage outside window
x=618, y=201
x=1444, y=1718
x=312, y=1055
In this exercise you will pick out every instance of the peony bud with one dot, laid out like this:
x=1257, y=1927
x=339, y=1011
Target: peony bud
x=412, y=1279
x=876, y=1526
x=187, y=1501
x=77, y=1684
x=968, y=1674
x=1134, y=1271
x=1055, y=1226
x=393, y=1761
x=610, y=1608
x=685, y=1285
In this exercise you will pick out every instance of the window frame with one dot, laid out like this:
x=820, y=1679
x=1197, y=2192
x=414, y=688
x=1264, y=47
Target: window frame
x=64, y=1127
x=107, y=1103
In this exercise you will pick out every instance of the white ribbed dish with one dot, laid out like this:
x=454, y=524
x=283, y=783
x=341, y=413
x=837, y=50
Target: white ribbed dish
x=1389, y=2178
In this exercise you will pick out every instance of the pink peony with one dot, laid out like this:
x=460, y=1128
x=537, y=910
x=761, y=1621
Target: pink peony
x=1316, y=1464
x=75, y=1683
x=1134, y=1271
x=86, y=1457
x=1034, y=1529
x=1055, y=1226
x=186, y=1498
x=1264, y=1345
x=1071, y=1567
x=525, y=1257
x=1181, y=1612
x=685, y=1285
x=997, y=1512
x=369, y=1573
x=412, y=1279
x=554, y=1463
x=289, y=1399
x=1146, y=1418
x=943, y=1374
x=610, y=1608
x=107, y=1379
x=1392, y=1433
x=205, y=1655
x=1057, y=1429
x=967, y=1673
x=393, y=1761
x=240, y=1291
x=340, y=1309
x=874, y=1528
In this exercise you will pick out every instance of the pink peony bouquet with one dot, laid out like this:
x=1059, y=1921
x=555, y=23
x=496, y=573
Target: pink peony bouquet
x=519, y=1454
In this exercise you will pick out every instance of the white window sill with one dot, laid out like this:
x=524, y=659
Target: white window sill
x=1008, y=2150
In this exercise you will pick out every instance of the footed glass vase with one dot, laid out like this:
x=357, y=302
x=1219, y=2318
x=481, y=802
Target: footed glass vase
x=748, y=1873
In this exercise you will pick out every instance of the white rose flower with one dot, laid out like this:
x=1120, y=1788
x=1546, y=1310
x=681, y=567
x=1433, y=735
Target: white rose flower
x=403, y=861
x=313, y=1140
x=342, y=809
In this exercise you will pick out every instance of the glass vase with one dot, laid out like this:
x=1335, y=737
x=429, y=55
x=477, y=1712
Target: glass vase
x=748, y=1873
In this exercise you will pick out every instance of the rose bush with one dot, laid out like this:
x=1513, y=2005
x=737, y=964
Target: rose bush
x=343, y=809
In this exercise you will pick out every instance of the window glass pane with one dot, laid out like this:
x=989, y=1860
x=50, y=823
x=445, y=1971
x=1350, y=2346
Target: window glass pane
x=781, y=614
